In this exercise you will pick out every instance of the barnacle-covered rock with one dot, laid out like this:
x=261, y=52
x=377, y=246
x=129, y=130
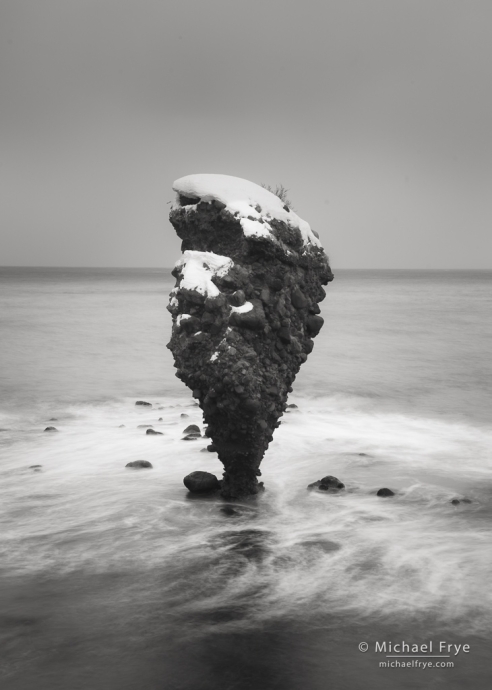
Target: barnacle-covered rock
x=245, y=310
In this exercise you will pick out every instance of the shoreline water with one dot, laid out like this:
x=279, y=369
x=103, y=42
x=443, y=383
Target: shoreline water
x=113, y=578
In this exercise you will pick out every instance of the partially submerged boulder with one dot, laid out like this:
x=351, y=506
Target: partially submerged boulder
x=384, y=493
x=201, y=482
x=139, y=464
x=328, y=483
x=192, y=429
x=245, y=311
x=51, y=429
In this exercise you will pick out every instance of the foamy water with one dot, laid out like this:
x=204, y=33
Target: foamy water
x=159, y=563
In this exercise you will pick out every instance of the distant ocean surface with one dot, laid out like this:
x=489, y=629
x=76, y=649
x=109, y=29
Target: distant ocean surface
x=114, y=579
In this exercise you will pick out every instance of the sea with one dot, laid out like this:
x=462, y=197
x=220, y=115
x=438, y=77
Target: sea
x=118, y=579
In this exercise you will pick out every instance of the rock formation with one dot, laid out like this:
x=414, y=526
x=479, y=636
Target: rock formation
x=245, y=311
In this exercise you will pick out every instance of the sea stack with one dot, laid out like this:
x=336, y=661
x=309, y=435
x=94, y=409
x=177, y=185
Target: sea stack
x=245, y=311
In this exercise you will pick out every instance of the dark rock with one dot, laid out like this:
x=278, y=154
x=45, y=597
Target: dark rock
x=455, y=502
x=121, y=426
x=144, y=426
x=251, y=326
x=466, y=500
x=183, y=415
x=34, y=467
x=192, y=429
x=191, y=437
x=51, y=428
x=139, y=464
x=142, y=402
x=160, y=419
x=188, y=200
x=201, y=482
x=328, y=483
x=385, y=492
x=292, y=406
x=53, y=419
x=152, y=432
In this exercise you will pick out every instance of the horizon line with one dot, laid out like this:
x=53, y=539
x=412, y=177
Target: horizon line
x=144, y=268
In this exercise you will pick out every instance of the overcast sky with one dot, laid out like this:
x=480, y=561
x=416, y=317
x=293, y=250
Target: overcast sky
x=376, y=114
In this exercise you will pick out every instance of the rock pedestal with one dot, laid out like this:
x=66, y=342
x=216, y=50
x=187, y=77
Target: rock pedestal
x=245, y=312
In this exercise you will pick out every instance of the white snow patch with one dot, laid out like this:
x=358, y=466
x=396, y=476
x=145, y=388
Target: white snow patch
x=247, y=306
x=253, y=227
x=198, y=269
x=181, y=317
x=241, y=197
x=214, y=356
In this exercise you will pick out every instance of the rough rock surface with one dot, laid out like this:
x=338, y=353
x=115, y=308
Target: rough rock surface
x=245, y=312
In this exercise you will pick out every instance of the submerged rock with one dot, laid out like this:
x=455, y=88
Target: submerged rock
x=153, y=432
x=192, y=429
x=245, y=310
x=201, y=482
x=385, y=492
x=51, y=428
x=142, y=402
x=328, y=483
x=144, y=426
x=139, y=464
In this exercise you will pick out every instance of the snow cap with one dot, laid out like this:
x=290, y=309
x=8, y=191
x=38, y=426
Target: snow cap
x=247, y=201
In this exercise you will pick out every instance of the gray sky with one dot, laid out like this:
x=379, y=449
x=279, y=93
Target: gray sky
x=376, y=114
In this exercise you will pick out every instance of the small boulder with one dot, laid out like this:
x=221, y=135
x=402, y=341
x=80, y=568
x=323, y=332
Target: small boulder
x=184, y=416
x=53, y=419
x=192, y=429
x=293, y=406
x=328, y=483
x=201, y=482
x=190, y=437
x=455, y=502
x=143, y=403
x=160, y=419
x=121, y=426
x=144, y=426
x=34, y=467
x=139, y=464
x=152, y=432
x=385, y=492
x=51, y=428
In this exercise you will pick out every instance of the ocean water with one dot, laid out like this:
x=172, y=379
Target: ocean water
x=117, y=579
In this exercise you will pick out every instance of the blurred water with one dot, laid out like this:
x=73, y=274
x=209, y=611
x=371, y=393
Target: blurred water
x=112, y=578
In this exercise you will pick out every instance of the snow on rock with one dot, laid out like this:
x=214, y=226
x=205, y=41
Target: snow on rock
x=245, y=200
x=247, y=306
x=245, y=312
x=198, y=269
x=181, y=317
